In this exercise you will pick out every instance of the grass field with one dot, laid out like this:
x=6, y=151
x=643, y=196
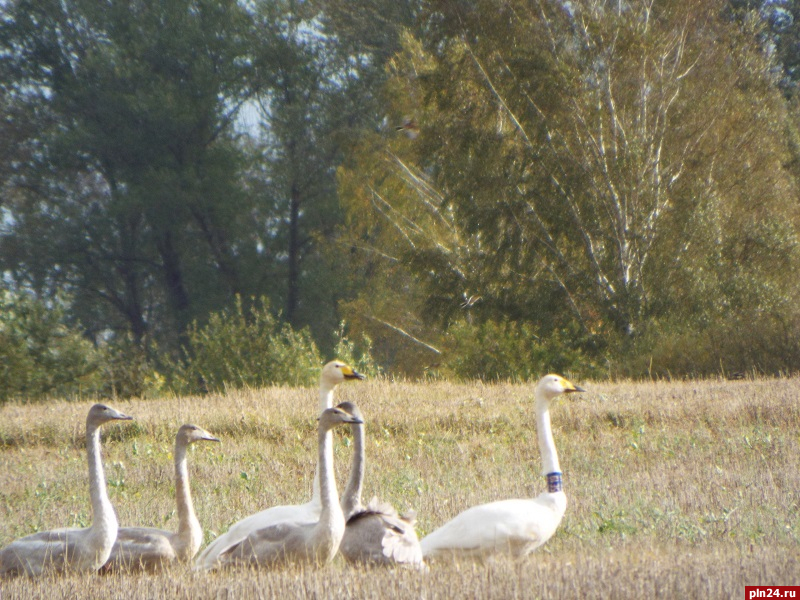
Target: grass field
x=682, y=489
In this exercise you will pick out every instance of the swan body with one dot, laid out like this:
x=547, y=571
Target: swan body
x=147, y=548
x=314, y=542
x=511, y=527
x=72, y=550
x=375, y=533
x=333, y=373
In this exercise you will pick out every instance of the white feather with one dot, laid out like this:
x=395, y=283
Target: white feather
x=511, y=527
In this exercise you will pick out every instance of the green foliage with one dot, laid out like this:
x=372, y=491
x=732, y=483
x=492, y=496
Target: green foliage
x=745, y=343
x=512, y=351
x=132, y=198
x=736, y=311
x=357, y=354
x=245, y=347
x=40, y=356
x=592, y=184
x=129, y=371
x=597, y=178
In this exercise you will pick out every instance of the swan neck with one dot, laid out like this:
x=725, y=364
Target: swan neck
x=104, y=520
x=325, y=402
x=351, y=499
x=188, y=525
x=325, y=395
x=328, y=532
x=327, y=479
x=547, y=446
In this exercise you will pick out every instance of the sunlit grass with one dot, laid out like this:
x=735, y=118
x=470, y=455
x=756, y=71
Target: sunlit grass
x=674, y=489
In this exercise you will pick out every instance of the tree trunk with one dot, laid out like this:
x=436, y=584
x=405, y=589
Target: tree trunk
x=293, y=281
x=177, y=293
x=217, y=243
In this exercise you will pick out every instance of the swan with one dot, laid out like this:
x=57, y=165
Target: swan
x=74, y=550
x=511, y=527
x=375, y=533
x=333, y=373
x=147, y=548
x=304, y=542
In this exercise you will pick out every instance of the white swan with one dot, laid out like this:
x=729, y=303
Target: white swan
x=375, y=533
x=78, y=550
x=512, y=527
x=147, y=548
x=305, y=542
x=333, y=373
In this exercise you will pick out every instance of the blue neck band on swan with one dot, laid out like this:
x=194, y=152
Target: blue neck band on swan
x=554, y=483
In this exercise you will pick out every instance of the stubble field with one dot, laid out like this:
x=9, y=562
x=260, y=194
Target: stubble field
x=679, y=489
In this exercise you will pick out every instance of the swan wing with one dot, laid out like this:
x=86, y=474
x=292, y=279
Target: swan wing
x=52, y=536
x=47, y=550
x=379, y=535
x=299, y=513
x=513, y=527
x=375, y=506
x=400, y=542
x=268, y=545
x=140, y=548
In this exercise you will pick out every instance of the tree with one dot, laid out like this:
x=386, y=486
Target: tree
x=568, y=160
x=317, y=93
x=131, y=201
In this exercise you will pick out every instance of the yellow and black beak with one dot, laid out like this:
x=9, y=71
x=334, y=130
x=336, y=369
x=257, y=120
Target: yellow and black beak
x=570, y=387
x=351, y=373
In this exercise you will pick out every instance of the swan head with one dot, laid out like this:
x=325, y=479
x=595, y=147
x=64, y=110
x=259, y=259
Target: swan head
x=336, y=371
x=189, y=434
x=553, y=385
x=331, y=417
x=351, y=408
x=100, y=413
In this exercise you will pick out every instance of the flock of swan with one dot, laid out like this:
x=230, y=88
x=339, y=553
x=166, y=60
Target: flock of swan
x=310, y=533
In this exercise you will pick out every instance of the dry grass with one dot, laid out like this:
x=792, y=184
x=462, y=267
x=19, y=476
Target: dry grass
x=675, y=489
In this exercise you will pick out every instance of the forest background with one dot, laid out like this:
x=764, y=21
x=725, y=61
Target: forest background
x=204, y=194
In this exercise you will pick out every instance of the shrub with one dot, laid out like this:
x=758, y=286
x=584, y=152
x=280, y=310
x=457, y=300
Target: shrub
x=40, y=356
x=128, y=370
x=509, y=350
x=766, y=344
x=245, y=347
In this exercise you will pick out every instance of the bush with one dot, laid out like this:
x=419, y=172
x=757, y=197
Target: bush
x=245, y=348
x=509, y=350
x=745, y=344
x=128, y=370
x=40, y=356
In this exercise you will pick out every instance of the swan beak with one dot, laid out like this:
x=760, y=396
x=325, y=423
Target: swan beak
x=351, y=373
x=356, y=421
x=570, y=387
x=123, y=417
x=211, y=439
